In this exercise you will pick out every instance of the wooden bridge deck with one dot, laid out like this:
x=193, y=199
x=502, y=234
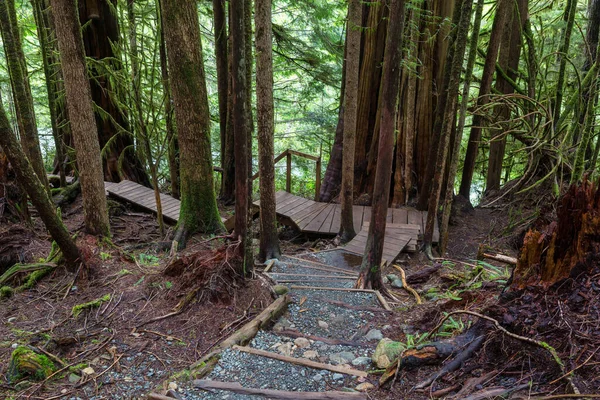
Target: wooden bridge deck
x=324, y=218
x=143, y=197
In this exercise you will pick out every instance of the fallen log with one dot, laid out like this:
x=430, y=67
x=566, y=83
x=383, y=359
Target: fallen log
x=302, y=361
x=277, y=394
x=423, y=275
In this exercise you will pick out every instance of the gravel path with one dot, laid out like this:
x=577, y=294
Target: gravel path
x=313, y=313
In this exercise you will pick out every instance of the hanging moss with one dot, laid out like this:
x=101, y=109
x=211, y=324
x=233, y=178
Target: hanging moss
x=91, y=304
x=25, y=363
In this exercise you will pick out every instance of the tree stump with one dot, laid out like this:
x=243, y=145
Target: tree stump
x=564, y=248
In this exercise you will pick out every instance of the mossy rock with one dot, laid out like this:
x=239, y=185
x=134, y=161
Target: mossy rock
x=25, y=363
x=386, y=352
x=281, y=289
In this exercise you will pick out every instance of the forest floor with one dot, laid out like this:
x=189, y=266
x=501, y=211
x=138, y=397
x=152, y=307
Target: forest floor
x=120, y=348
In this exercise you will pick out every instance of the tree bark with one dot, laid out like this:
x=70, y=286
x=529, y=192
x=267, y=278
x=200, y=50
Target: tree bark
x=455, y=153
x=100, y=33
x=220, y=27
x=499, y=26
x=350, y=109
x=269, y=241
x=370, y=274
x=198, y=211
x=37, y=192
x=508, y=61
x=241, y=126
x=228, y=183
x=21, y=90
x=448, y=121
x=81, y=113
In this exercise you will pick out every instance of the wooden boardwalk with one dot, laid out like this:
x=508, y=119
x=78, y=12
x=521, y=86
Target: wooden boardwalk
x=312, y=217
x=398, y=237
x=143, y=197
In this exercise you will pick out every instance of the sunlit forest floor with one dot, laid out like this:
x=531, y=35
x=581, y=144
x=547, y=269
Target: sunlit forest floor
x=114, y=331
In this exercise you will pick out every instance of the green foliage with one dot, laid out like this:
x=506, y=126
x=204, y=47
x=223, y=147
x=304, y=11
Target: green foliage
x=148, y=259
x=79, y=308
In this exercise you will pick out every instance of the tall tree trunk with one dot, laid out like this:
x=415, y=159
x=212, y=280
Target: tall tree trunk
x=350, y=109
x=21, y=89
x=198, y=211
x=241, y=126
x=220, y=26
x=228, y=182
x=508, y=61
x=51, y=73
x=269, y=242
x=37, y=192
x=81, y=113
x=100, y=33
x=569, y=18
x=499, y=26
x=249, y=66
x=449, y=116
x=370, y=274
x=142, y=128
x=455, y=152
x=172, y=141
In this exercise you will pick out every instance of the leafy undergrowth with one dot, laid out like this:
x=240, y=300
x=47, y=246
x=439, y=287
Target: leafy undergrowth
x=101, y=331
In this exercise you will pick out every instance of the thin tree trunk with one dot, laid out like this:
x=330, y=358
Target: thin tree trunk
x=485, y=86
x=37, y=192
x=21, y=89
x=199, y=212
x=569, y=17
x=228, y=182
x=50, y=73
x=81, y=113
x=350, y=113
x=370, y=274
x=240, y=127
x=508, y=61
x=455, y=154
x=460, y=45
x=220, y=27
x=139, y=112
x=269, y=242
x=172, y=141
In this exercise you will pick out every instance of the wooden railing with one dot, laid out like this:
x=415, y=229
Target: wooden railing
x=287, y=154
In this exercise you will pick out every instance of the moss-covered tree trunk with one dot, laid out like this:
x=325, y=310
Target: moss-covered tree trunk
x=350, y=115
x=241, y=125
x=269, y=241
x=81, y=113
x=370, y=274
x=36, y=192
x=199, y=211
x=21, y=89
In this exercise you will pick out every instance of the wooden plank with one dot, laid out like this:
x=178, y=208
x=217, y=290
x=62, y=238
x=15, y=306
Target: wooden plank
x=415, y=217
x=306, y=216
x=367, y=215
x=337, y=220
x=292, y=214
x=298, y=206
x=390, y=216
x=283, y=203
x=315, y=224
x=290, y=205
x=357, y=216
x=326, y=227
x=400, y=216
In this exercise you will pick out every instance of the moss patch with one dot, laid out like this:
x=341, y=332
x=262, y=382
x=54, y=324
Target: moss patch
x=91, y=304
x=6, y=292
x=25, y=363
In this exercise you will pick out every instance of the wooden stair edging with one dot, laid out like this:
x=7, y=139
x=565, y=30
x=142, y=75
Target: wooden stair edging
x=144, y=197
x=397, y=238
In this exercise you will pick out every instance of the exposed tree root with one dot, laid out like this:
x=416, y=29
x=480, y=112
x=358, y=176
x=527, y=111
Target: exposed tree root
x=405, y=284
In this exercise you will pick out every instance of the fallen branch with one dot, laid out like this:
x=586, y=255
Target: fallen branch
x=481, y=255
x=495, y=392
x=455, y=363
x=301, y=361
x=423, y=275
x=405, y=284
x=276, y=394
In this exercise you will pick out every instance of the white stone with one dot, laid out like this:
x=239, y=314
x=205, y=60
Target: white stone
x=363, y=387
x=302, y=343
x=323, y=325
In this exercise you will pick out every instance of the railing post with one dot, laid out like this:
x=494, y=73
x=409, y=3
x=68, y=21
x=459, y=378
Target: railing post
x=288, y=177
x=318, y=179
